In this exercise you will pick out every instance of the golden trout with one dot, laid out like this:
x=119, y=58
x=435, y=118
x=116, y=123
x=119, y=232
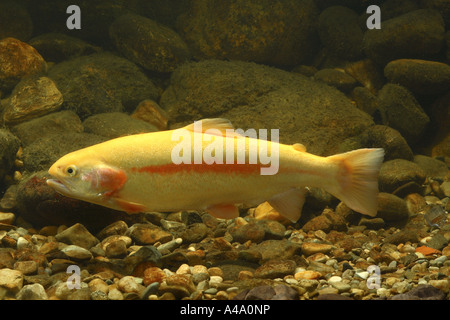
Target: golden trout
x=210, y=166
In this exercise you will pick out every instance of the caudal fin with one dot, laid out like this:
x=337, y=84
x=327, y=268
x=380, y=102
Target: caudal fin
x=357, y=179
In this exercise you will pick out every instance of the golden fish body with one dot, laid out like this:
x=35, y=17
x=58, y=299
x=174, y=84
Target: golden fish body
x=213, y=169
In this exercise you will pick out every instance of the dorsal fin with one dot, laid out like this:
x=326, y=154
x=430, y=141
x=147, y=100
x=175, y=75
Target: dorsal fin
x=220, y=124
x=299, y=147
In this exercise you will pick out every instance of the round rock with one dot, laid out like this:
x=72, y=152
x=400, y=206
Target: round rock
x=252, y=31
x=396, y=173
x=416, y=34
x=33, y=96
x=33, y=291
x=402, y=111
x=124, y=82
x=419, y=76
x=17, y=60
x=148, y=43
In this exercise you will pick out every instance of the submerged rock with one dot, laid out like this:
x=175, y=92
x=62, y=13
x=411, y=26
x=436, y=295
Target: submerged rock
x=41, y=154
x=101, y=82
x=403, y=112
x=380, y=136
x=9, y=145
x=116, y=124
x=260, y=97
x=17, y=60
x=417, y=34
x=146, y=42
x=398, y=172
x=422, y=292
x=56, y=122
x=33, y=97
x=419, y=76
x=279, y=33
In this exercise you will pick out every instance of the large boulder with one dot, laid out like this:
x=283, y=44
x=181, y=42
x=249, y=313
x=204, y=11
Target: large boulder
x=265, y=31
x=101, y=82
x=261, y=97
x=417, y=34
x=151, y=45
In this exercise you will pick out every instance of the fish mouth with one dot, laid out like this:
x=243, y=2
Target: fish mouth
x=58, y=186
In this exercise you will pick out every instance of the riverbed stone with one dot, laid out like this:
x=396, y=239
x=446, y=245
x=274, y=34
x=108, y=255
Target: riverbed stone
x=148, y=43
x=291, y=101
x=416, y=34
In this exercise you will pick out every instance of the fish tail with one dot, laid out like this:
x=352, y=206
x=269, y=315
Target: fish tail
x=357, y=179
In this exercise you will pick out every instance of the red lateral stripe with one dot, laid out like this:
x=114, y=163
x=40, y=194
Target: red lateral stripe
x=201, y=168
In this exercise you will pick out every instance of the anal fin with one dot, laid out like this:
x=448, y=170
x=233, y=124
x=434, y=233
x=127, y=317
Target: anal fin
x=289, y=203
x=223, y=211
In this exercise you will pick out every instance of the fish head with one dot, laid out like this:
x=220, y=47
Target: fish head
x=87, y=179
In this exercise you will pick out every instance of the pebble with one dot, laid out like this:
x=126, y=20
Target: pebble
x=150, y=290
x=77, y=252
x=275, y=269
x=128, y=284
x=308, y=275
x=116, y=249
x=77, y=235
x=10, y=279
x=153, y=274
x=149, y=111
x=7, y=217
x=309, y=248
x=115, y=294
x=22, y=243
x=341, y=286
x=32, y=292
x=260, y=293
x=170, y=245
x=214, y=280
x=145, y=234
x=98, y=285
x=248, y=232
x=26, y=267
x=421, y=292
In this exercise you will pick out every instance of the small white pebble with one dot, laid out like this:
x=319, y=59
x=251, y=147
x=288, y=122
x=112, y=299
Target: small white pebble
x=22, y=243
x=334, y=279
x=362, y=274
x=215, y=279
x=425, y=240
x=422, y=281
x=299, y=269
x=291, y=281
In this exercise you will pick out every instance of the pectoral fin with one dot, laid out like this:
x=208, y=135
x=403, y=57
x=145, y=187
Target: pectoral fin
x=289, y=203
x=223, y=211
x=129, y=207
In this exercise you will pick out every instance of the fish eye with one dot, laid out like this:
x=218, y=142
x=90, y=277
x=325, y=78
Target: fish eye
x=71, y=170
